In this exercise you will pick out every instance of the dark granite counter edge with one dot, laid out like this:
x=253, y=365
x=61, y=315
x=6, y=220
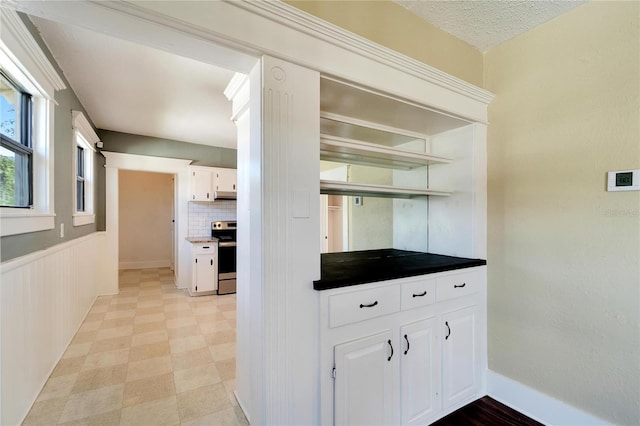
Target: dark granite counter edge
x=331, y=284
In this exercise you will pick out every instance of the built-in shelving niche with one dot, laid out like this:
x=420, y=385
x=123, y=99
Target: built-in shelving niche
x=364, y=127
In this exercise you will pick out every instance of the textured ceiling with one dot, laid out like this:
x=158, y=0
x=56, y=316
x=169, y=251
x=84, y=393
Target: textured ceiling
x=487, y=23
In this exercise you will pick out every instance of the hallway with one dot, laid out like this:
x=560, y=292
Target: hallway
x=150, y=355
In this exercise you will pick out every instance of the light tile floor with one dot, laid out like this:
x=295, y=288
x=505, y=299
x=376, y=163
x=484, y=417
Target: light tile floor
x=150, y=355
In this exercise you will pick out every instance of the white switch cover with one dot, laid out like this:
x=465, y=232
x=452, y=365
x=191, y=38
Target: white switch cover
x=623, y=180
x=62, y=230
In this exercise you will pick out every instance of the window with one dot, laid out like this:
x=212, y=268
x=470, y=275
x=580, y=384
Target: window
x=83, y=152
x=28, y=83
x=16, y=153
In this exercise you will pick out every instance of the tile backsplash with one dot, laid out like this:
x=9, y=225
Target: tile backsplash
x=202, y=214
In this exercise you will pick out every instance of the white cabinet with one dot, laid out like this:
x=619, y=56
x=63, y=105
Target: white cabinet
x=207, y=181
x=405, y=351
x=459, y=365
x=201, y=184
x=364, y=389
x=225, y=180
x=419, y=372
x=204, y=269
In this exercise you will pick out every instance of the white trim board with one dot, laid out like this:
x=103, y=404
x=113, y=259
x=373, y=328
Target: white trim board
x=535, y=404
x=145, y=264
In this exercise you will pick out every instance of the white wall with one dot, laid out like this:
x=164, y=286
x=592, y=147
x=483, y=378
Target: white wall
x=564, y=268
x=146, y=213
x=201, y=214
x=44, y=298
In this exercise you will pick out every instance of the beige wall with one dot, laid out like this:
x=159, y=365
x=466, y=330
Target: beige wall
x=145, y=214
x=393, y=26
x=563, y=254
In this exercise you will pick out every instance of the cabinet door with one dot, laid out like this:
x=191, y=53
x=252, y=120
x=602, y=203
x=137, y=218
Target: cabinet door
x=419, y=372
x=364, y=381
x=204, y=273
x=200, y=185
x=225, y=180
x=460, y=359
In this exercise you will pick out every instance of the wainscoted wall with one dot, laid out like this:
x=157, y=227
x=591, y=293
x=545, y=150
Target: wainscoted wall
x=202, y=214
x=44, y=297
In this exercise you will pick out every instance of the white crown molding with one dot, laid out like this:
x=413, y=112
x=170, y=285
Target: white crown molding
x=297, y=19
x=12, y=23
x=81, y=124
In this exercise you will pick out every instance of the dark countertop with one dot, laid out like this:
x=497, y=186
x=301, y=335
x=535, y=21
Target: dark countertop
x=360, y=267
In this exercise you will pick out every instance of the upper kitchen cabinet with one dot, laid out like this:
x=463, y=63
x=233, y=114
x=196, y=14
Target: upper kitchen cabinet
x=200, y=184
x=225, y=180
x=417, y=169
x=211, y=183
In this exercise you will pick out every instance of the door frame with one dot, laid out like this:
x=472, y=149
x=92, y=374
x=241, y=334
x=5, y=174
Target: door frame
x=116, y=161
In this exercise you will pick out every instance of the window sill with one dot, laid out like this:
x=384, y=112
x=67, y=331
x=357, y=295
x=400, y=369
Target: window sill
x=21, y=222
x=80, y=219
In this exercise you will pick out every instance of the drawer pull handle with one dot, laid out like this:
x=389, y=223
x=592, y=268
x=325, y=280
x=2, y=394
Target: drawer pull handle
x=460, y=286
x=448, y=330
x=369, y=306
x=206, y=247
x=391, y=346
x=421, y=294
x=408, y=346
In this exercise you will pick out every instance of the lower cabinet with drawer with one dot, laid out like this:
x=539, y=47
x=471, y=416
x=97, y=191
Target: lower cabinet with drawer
x=204, y=269
x=416, y=359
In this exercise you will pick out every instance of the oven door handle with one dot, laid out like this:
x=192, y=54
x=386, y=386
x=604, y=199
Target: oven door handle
x=227, y=244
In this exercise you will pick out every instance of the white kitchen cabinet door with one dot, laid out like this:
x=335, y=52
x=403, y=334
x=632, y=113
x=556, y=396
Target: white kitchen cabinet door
x=460, y=369
x=419, y=372
x=364, y=393
x=225, y=180
x=201, y=185
x=204, y=273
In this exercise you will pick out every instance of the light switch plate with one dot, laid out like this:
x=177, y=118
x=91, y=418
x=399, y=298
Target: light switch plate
x=623, y=180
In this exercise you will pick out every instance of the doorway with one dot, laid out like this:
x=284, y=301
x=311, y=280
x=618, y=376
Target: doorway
x=146, y=232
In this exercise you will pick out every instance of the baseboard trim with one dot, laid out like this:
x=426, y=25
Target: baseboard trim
x=535, y=404
x=241, y=405
x=145, y=264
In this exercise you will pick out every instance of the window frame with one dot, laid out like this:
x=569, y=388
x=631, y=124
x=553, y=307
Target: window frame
x=24, y=144
x=86, y=138
x=24, y=61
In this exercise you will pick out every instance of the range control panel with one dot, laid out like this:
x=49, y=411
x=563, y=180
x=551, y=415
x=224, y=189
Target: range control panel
x=623, y=180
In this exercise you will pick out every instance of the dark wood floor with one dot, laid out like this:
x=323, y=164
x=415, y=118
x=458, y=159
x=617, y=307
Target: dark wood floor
x=486, y=412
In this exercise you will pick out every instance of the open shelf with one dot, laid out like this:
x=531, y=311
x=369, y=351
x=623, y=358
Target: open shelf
x=384, y=191
x=333, y=148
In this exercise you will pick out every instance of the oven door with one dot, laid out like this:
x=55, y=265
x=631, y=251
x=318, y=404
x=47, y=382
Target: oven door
x=226, y=260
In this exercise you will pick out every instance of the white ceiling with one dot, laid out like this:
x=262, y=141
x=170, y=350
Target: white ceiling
x=487, y=23
x=131, y=88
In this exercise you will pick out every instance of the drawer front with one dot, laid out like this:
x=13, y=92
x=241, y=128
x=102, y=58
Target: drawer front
x=457, y=285
x=361, y=305
x=209, y=248
x=417, y=294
